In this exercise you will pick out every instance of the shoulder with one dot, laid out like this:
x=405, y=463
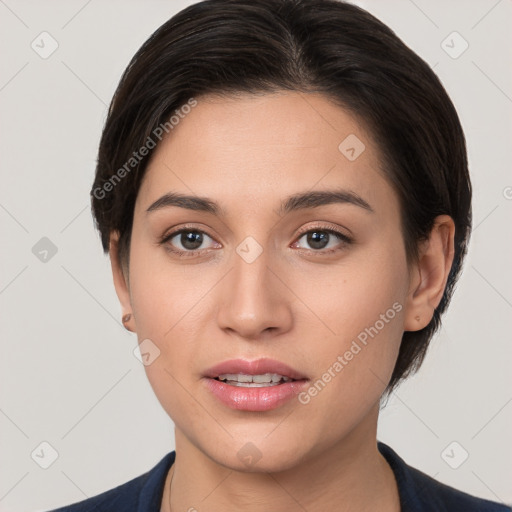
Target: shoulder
x=141, y=494
x=420, y=492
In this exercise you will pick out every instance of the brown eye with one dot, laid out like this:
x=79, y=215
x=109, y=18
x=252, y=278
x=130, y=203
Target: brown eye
x=190, y=240
x=186, y=242
x=323, y=240
x=318, y=239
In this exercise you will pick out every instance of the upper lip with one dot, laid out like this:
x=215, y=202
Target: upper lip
x=255, y=367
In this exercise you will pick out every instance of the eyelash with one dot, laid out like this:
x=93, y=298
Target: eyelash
x=345, y=240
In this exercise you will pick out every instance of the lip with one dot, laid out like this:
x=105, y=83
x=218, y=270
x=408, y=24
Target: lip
x=256, y=367
x=256, y=398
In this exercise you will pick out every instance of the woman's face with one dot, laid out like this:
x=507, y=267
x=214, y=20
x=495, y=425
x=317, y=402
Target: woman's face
x=266, y=277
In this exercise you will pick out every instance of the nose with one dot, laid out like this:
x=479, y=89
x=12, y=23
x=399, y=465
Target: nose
x=254, y=300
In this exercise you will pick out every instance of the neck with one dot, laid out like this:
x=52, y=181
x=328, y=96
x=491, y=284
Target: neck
x=351, y=475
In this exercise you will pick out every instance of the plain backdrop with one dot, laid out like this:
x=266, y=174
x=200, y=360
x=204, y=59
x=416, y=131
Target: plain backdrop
x=69, y=377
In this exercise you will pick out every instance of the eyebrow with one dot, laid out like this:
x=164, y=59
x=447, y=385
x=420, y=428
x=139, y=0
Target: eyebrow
x=295, y=202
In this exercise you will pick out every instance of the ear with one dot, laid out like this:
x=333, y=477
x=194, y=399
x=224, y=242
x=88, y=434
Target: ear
x=121, y=282
x=430, y=274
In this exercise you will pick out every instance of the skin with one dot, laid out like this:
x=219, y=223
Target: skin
x=292, y=304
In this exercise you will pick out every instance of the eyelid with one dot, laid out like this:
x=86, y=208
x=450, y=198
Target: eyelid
x=173, y=231
x=329, y=227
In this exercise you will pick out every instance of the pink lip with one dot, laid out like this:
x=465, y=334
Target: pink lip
x=254, y=399
x=256, y=367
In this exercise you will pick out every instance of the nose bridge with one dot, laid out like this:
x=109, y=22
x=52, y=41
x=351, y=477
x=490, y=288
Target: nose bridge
x=252, y=298
x=250, y=279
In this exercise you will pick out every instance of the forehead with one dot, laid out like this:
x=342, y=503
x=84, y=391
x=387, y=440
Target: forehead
x=250, y=149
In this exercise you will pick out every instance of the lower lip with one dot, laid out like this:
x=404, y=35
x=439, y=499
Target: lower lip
x=255, y=399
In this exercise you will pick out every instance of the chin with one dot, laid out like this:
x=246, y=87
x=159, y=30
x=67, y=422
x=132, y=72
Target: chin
x=257, y=454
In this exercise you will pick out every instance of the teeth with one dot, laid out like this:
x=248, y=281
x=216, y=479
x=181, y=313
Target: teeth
x=240, y=379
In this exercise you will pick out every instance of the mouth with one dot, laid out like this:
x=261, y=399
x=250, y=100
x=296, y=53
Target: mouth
x=253, y=381
x=263, y=372
x=257, y=386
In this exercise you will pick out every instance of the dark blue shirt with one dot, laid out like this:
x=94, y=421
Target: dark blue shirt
x=418, y=492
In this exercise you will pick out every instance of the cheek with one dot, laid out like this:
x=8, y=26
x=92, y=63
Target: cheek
x=162, y=294
x=363, y=309
x=355, y=294
x=167, y=310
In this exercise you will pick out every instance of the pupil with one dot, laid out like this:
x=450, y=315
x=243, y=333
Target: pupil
x=191, y=237
x=313, y=239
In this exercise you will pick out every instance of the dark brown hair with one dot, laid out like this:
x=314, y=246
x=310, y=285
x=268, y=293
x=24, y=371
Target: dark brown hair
x=325, y=46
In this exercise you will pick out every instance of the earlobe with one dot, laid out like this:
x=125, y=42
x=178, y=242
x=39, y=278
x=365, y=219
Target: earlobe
x=430, y=274
x=121, y=283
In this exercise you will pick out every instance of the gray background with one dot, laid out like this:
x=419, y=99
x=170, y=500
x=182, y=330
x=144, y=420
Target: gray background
x=68, y=374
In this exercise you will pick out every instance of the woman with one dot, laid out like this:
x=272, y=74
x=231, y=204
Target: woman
x=283, y=189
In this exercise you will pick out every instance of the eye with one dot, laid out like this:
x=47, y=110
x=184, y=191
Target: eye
x=189, y=242
x=324, y=240
x=186, y=241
